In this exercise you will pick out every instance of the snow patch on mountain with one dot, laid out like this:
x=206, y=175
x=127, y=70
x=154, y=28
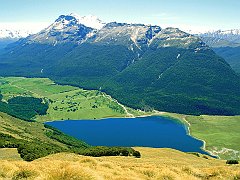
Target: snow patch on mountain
x=89, y=21
x=221, y=38
x=13, y=34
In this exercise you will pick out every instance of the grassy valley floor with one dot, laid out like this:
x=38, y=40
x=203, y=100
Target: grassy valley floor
x=154, y=164
x=220, y=134
x=65, y=102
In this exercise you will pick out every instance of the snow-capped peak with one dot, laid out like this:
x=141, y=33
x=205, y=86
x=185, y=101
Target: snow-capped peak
x=89, y=21
x=13, y=34
x=74, y=15
x=232, y=32
x=221, y=32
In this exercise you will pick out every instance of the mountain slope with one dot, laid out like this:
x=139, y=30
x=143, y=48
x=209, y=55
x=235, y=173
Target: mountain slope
x=32, y=139
x=184, y=85
x=231, y=55
x=5, y=41
x=141, y=65
x=226, y=44
x=8, y=36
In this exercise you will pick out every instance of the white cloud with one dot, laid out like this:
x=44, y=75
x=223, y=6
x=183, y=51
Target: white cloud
x=165, y=20
x=26, y=26
x=194, y=29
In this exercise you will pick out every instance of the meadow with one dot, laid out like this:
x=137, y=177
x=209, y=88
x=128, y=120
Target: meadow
x=65, y=102
x=220, y=133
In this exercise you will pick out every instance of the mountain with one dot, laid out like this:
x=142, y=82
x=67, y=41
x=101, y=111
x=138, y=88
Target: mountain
x=226, y=44
x=8, y=36
x=64, y=29
x=13, y=34
x=89, y=21
x=142, y=66
x=220, y=38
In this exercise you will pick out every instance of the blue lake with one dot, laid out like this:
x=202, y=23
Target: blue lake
x=153, y=131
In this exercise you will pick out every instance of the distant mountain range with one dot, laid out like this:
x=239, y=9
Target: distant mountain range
x=226, y=44
x=13, y=34
x=8, y=36
x=143, y=66
x=228, y=38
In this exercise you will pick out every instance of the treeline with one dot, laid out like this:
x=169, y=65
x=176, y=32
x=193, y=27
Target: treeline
x=98, y=151
x=29, y=150
x=24, y=108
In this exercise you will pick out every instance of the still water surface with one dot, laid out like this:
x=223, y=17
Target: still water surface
x=153, y=131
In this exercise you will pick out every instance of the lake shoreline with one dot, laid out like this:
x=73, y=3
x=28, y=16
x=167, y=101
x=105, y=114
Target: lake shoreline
x=204, y=142
x=156, y=113
x=150, y=127
x=187, y=126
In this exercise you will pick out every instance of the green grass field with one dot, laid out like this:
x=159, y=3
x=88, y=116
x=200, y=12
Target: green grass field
x=221, y=133
x=65, y=102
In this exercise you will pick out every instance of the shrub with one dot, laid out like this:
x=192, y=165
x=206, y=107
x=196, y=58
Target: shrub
x=30, y=151
x=136, y=154
x=97, y=151
x=232, y=162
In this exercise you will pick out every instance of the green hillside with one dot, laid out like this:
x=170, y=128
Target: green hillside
x=30, y=138
x=195, y=83
x=231, y=55
x=62, y=102
x=168, y=70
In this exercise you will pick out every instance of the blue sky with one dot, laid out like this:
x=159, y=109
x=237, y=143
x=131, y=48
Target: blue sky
x=185, y=14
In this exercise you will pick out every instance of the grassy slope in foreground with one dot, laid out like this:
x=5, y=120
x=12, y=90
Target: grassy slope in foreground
x=220, y=133
x=34, y=140
x=30, y=135
x=65, y=102
x=154, y=164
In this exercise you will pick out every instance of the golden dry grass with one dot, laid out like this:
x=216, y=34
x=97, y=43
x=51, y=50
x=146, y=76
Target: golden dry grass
x=155, y=164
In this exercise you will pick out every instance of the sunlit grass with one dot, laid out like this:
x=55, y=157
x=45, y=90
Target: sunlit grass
x=154, y=164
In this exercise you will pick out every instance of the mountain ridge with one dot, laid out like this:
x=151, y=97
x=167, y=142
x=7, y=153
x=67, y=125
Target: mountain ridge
x=222, y=38
x=142, y=66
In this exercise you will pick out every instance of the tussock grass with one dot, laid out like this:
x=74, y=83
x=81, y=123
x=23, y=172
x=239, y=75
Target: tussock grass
x=154, y=164
x=70, y=171
x=23, y=174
